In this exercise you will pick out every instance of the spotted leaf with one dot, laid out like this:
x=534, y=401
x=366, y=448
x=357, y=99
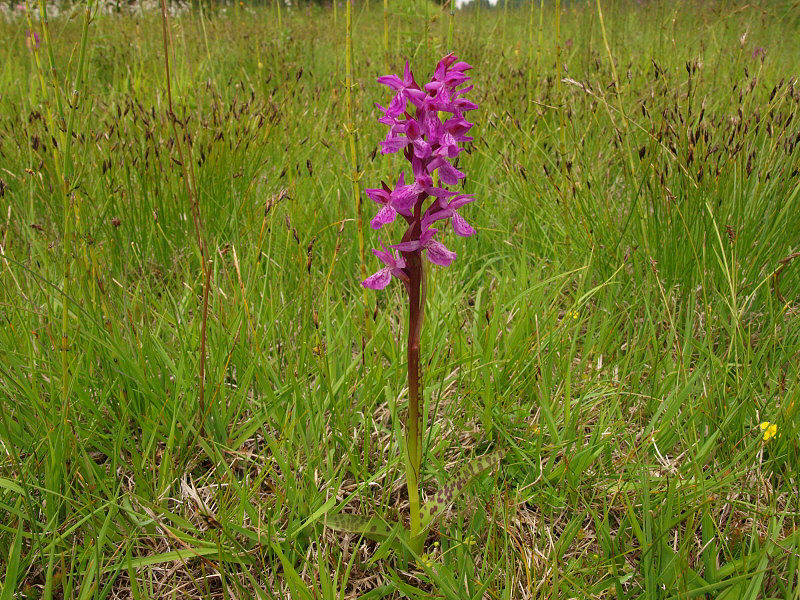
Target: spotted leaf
x=445, y=496
x=373, y=528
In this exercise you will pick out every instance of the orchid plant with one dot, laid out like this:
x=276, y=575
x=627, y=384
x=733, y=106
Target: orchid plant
x=428, y=125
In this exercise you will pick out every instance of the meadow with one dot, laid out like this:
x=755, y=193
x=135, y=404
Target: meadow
x=192, y=379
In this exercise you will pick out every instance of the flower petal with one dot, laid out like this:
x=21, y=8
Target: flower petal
x=441, y=67
x=379, y=280
x=385, y=216
x=378, y=195
x=404, y=197
x=421, y=148
x=461, y=227
x=415, y=96
x=438, y=253
x=408, y=246
x=408, y=76
x=421, y=175
x=463, y=105
x=447, y=172
x=392, y=82
x=432, y=216
x=390, y=259
x=460, y=201
x=398, y=105
x=392, y=144
x=440, y=193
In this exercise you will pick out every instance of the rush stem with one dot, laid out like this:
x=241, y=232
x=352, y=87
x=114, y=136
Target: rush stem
x=416, y=296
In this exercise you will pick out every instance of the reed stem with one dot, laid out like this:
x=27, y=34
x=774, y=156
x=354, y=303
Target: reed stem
x=354, y=167
x=451, y=26
x=386, y=35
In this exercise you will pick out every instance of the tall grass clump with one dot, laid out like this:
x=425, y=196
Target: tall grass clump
x=623, y=323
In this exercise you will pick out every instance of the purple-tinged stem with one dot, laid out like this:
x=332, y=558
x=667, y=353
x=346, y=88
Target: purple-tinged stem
x=416, y=297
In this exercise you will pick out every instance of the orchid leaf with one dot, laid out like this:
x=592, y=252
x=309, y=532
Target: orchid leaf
x=373, y=528
x=445, y=496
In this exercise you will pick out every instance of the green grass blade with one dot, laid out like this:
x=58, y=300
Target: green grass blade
x=12, y=566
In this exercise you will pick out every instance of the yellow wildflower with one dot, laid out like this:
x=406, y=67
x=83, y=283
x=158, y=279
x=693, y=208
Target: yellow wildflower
x=770, y=430
x=426, y=560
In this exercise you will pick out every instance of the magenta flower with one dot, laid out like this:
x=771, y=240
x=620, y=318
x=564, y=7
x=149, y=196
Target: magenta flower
x=430, y=145
x=438, y=254
x=449, y=210
x=406, y=89
x=399, y=200
x=394, y=266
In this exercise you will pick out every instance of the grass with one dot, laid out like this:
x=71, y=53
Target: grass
x=615, y=323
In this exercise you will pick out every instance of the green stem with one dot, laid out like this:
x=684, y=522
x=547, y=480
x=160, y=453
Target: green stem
x=354, y=171
x=617, y=88
x=76, y=92
x=538, y=46
x=451, y=27
x=385, y=35
x=48, y=44
x=505, y=22
x=562, y=146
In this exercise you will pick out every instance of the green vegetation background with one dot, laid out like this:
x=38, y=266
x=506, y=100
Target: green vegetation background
x=616, y=322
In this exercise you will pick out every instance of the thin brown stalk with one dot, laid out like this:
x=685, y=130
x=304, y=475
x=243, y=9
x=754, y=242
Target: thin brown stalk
x=776, y=275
